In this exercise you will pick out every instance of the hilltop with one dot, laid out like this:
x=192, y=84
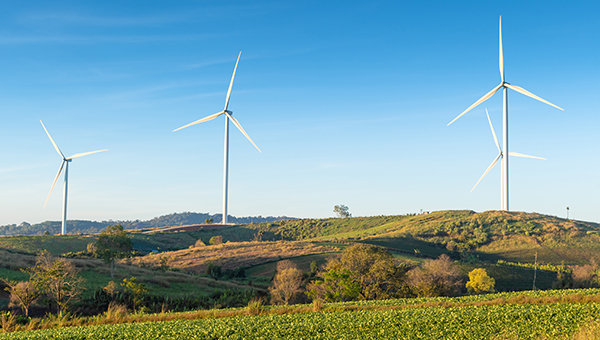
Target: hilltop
x=92, y=227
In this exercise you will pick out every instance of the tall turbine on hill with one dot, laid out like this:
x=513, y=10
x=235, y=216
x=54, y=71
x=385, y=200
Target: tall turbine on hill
x=505, y=86
x=228, y=116
x=500, y=153
x=65, y=163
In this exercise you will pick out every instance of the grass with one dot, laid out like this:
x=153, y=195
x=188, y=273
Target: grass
x=56, y=245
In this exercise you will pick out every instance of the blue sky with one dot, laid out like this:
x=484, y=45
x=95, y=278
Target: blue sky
x=348, y=101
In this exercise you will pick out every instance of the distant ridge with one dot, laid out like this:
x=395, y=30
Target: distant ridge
x=91, y=227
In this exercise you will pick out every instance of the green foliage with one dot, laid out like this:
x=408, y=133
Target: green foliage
x=479, y=282
x=337, y=285
x=208, y=221
x=113, y=244
x=137, y=290
x=518, y=321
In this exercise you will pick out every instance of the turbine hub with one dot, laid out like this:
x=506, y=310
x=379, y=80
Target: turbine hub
x=229, y=112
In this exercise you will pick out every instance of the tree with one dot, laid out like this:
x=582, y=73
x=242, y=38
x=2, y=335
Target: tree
x=336, y=286
x=113, y=244
x=435, y=278
x=57, y=278
x=373, y=269
x=479, y=282
x=287, y=282
x=137, y=290
x=22, y=294
x=208, y=221
x=341, y=211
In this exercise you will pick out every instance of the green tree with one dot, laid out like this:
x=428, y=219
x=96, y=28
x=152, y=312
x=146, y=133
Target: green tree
x=113, y=244
x=341, y=211
x=137, y=291
x=479, y=282
x=336, y=286
x=208, y=221
x=373, y=269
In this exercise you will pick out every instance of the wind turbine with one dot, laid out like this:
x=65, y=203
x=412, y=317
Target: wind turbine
x=505, y=86
x=228, y=116
x=65, y=163
x=500, y=153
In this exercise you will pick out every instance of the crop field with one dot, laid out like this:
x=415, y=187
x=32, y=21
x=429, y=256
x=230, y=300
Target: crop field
x=525, y=315
x=552, y=321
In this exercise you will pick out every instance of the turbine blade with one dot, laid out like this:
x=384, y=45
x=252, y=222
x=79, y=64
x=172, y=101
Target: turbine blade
x=77, y=155
x=529, y=94
x=211, y=117
x=493, y=132
x=501, y=53
x=516, y=154
x=239, y=126
x=53, y=143
x=62, y=164
x=231, y=83
x=488, y=170
x=481, y=100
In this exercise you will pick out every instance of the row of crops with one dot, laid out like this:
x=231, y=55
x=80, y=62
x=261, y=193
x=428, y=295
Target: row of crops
x=393, y=321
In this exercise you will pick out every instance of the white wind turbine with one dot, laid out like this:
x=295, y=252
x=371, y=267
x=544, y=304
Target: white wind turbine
x=65, y=163
x=228, y=116
x=500, y=153
x=503, y=84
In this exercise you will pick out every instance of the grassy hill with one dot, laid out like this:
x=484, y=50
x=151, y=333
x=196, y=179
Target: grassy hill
x=476, y=239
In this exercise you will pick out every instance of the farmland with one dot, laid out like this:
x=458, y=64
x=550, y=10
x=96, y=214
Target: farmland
x=527, y=315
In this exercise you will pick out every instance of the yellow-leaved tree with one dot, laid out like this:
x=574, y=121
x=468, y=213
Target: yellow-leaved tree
x=480, y=282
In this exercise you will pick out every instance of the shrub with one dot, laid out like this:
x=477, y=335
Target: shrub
x=215, y=240
x=287, y=283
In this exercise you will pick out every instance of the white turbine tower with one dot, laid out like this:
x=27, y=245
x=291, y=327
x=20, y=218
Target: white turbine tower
x=228, y=116
x=503, y=84
x=65, y=163
x=500, y=153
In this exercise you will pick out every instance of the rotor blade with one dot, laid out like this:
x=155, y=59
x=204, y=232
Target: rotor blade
x=488, y=170
x=77, y=155
x=231, y=83
x=516, y=154
x=211, y=117
x=242, y=129
x=501, y=53
x=481, y=100
x=493, y=132
x=53, y=143
x=529, y=94
x=62, y=164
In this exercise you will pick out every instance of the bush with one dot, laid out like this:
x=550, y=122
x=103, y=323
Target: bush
x=215, y=240
x=479, y=282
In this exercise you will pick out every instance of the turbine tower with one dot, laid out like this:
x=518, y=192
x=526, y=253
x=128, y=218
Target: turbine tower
x=505, y=86
x=65, y=163
x=228, y=116
x=500, y=153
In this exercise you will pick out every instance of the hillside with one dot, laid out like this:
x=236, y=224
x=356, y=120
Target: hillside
x=92, y=227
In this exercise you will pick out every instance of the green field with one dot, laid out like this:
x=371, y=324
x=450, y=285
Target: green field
x=527, y=315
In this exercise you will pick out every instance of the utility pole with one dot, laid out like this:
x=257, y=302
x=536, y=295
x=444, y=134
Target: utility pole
x=535, y=271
